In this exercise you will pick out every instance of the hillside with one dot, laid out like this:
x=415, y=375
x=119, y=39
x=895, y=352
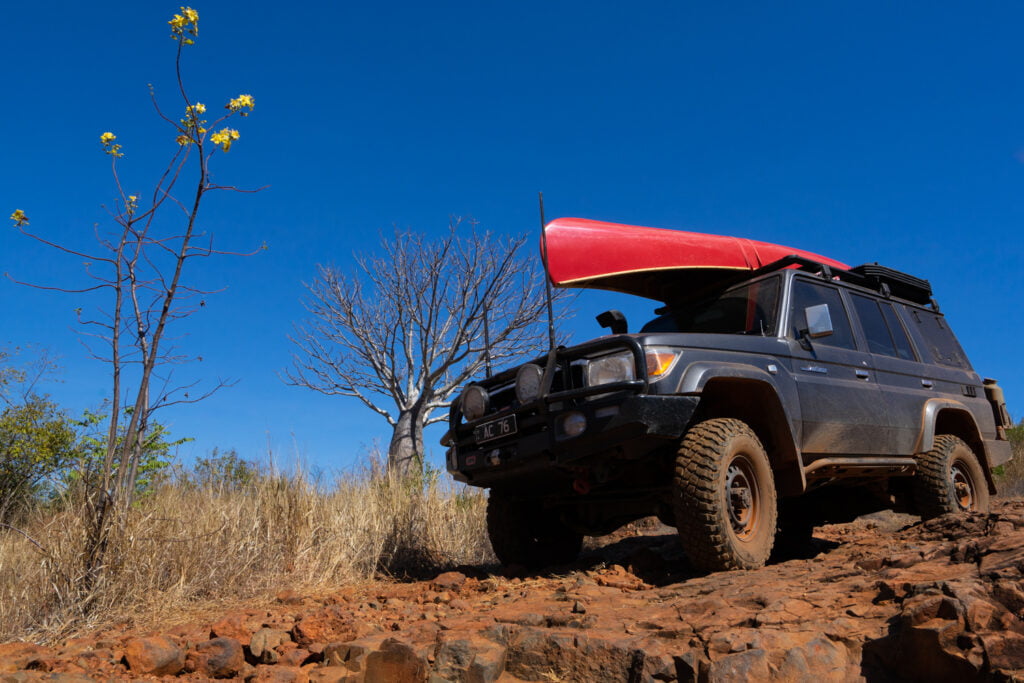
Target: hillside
x=880, y=599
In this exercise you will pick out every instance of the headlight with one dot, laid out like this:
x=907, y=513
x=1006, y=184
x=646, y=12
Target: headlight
x=528, y=382
x=617, y=367
x=660, y=360
x=475, y=402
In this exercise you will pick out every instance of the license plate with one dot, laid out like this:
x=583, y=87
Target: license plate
x=495, y=429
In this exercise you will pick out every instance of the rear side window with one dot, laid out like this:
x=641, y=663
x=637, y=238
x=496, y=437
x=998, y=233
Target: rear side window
x=904, y=349
x=807, y=294
x=875, y=328
x=882, y=328
x=944, y=347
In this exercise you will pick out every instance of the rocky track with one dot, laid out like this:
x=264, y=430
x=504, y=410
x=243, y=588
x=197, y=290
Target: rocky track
x=879, y=599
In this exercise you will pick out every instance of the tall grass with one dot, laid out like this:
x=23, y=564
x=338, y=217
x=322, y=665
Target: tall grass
x=185, y=545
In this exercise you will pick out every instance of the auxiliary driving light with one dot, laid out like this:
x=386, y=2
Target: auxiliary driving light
x=475, y=401
x=528, y=382
x=574, y=424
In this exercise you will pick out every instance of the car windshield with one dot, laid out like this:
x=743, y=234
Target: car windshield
x=747, y=309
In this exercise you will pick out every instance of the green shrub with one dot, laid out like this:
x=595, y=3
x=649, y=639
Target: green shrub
x=1010, y=477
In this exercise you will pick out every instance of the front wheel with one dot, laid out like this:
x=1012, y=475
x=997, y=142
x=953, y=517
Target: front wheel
x=949, y=479
x=523, y=533
x=724, y=497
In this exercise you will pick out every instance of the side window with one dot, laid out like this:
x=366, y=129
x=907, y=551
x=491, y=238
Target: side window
x=904, y=349
x=944, y=347
x=875, y=328
x=806, y=294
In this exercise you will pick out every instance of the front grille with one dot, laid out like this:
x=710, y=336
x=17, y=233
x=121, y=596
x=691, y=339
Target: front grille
x=569, y=367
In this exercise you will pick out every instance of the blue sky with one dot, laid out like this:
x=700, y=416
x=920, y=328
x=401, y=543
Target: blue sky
x=866, y=131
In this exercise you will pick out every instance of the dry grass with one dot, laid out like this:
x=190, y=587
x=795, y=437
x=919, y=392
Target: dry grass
x=184, y=546
x=1010, y=480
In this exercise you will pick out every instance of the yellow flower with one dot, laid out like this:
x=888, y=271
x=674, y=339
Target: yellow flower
x=19, y=218
x=183, y=140
x=132, y=204
x=242, y=102
x=107, y=139
x=192, y=119
x=224, y=137
x=187, y=21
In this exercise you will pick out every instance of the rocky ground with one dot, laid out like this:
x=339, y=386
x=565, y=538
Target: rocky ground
x=879, y=599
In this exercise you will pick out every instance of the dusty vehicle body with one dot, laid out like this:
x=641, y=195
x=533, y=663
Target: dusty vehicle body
x=768, y=373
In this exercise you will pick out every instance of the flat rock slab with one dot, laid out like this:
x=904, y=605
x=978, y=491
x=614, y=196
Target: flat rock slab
x=878, y=599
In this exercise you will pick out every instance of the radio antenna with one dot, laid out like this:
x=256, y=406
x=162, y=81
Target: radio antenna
x=487, y=341
x=547, y=274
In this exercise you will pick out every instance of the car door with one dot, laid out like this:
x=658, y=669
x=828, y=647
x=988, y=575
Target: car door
x=898, y=370
x=841, y=405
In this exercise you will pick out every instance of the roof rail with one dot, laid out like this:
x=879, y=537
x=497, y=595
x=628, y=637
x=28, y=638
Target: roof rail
x=793, y=260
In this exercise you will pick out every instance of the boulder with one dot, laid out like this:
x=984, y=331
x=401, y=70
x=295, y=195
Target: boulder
x=156, y=656
x=217, y=658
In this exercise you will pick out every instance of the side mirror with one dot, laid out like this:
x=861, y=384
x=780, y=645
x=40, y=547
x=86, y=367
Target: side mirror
x=819, y=321
x=613, y=320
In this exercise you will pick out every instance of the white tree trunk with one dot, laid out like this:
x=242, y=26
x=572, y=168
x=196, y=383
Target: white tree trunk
x=406, y=452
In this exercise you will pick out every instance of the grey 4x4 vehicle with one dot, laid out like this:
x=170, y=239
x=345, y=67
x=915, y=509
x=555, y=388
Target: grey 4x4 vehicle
x=746, y=391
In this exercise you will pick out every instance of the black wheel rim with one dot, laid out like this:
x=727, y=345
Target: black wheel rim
x=742, y=497
x=963, y=486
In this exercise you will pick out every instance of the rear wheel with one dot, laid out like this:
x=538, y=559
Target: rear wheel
x=950, y=479
x=724, y=498
x=523, y=533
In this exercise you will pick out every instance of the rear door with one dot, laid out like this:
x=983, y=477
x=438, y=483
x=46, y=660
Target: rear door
x=898, y=370
x=841, y=405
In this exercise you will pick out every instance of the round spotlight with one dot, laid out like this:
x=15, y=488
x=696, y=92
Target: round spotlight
x=574, y=424
x=475, y=401
x=528, y=382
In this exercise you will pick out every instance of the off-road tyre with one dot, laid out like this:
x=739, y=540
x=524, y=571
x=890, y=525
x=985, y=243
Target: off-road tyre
x=949, y=479
x=724, y=496
x=523, y=533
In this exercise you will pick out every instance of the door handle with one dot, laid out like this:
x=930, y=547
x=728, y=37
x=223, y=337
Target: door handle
x=863, y=374
x=927, y=383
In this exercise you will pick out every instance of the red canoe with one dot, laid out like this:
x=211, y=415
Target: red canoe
x=652, y=262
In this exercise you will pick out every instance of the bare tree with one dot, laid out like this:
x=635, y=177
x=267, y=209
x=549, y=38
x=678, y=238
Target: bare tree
x=407, y=328
x=138, y=267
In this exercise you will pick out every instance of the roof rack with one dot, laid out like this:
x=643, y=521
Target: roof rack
x=895, y=283
x=887, y=281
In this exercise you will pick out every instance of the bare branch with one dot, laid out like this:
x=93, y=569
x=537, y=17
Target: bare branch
x=31, y=540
